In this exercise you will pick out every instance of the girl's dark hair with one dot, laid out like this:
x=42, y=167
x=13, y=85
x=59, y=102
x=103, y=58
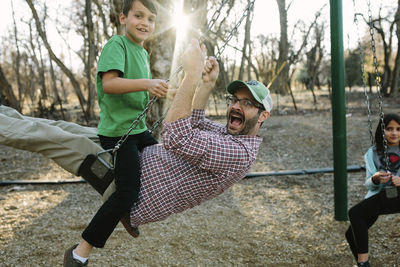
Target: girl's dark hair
x=378, y=133
x=149, y=4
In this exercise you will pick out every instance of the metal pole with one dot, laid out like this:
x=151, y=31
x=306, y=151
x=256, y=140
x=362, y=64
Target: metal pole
x=338, y=111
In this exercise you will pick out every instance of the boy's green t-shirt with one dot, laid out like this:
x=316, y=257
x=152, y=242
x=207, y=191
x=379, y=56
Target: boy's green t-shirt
x=118, y=111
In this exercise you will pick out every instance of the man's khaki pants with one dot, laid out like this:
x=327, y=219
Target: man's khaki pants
x=66, y=143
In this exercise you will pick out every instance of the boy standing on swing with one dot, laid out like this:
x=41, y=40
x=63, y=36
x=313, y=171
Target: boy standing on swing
x=123, y=86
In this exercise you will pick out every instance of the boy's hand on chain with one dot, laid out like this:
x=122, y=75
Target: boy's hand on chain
x=157, y=87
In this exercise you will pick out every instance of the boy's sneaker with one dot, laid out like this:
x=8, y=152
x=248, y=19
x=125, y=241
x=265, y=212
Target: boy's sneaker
x=69, y=260
x=363, y=264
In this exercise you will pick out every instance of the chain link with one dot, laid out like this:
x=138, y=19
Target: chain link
x=217, y=55
x=235, y=29
x=210, y=24
x=363, y=76
x=214, y=18
x=133, y=125
x=378, y=84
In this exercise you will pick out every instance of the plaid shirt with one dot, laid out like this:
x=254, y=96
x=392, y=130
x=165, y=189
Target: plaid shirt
x=197, y=161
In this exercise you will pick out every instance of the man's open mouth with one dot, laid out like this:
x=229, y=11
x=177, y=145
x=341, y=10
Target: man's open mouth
x=236, y=120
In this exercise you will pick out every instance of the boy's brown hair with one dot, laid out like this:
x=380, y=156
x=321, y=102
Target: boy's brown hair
x=149, y=4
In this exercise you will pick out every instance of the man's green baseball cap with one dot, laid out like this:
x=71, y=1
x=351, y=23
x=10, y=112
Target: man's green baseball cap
x=257, y=89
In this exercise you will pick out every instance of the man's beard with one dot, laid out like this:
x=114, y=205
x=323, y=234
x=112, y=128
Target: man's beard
x=248, y=125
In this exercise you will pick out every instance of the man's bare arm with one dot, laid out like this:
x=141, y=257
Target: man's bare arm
x=210, y=75
x=113, y=84
x=193, y=61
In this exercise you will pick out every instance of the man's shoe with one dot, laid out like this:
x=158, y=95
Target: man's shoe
x=126, y=222
x=363, y=264
x=69, y=260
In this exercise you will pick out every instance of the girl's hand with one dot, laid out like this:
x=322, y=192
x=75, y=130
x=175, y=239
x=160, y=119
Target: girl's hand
x=381, y=177
x=157, y=87
x=396, y=180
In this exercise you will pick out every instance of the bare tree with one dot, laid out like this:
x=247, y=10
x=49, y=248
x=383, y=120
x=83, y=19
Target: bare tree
x=387, y=52
x=55, y=90
x=115, y=10
x=396, y=70
x=18, y=56
x=105, y=25
x=386, y=37
x=91, y=57
x=283, y=48
x=161, y=50
x=216, y=36
x=266, y=58
x=288, y=54
x=64, y=68
x=314, y=58
x=246, y=56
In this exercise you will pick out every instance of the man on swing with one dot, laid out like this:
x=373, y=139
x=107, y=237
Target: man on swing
x=198, y=159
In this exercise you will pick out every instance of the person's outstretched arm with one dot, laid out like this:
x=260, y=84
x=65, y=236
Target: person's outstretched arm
x=113, y=84
x=193, y=61
x=209, y=77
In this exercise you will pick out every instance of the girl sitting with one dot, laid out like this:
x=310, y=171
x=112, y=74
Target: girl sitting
x=383, y=184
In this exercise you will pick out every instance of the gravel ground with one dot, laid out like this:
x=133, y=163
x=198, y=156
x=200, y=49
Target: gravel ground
x=264, y=221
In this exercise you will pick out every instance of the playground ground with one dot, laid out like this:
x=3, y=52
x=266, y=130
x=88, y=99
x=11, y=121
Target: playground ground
x=264, y=221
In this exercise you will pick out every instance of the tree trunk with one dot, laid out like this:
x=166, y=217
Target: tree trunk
x=291, y=91
x=246, y=42
x=55, y=91
x=89, y=64
x=42, y=71
x=311, y=62
x=283, y=48
x=161, y=50
x=115, y=10
x=18, y=57
x=6, y=90
x=387, y=52
x=102, y=18
x=396, y=71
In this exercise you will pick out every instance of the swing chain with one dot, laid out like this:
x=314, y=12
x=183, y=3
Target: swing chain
x=133, y=125
x=180, y=68
x=218, y=54
x=211, y=23
x=214, y=17
x=378, y=85
x=235, y=29
x=363, y=76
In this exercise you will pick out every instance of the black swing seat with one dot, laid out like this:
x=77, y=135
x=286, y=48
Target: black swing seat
x=96, y=173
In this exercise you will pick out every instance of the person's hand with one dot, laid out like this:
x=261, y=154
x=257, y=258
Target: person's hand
x=157, y=87
x=396, y=180
x=193, y=59
x=210, y=71
x=381, y=177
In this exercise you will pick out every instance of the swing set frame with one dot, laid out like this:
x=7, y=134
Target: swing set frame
x=338, y=103
x=340, y=167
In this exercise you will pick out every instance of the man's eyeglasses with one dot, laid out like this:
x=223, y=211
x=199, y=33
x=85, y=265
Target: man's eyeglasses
x=244, y=103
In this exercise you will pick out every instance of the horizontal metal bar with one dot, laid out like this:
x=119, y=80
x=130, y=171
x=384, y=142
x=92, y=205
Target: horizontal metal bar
x=351, y=168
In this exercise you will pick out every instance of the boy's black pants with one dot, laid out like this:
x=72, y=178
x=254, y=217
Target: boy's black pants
x=127, y=180
x=363, y=215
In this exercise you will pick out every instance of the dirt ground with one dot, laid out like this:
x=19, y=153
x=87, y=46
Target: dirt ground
x=264, y=221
